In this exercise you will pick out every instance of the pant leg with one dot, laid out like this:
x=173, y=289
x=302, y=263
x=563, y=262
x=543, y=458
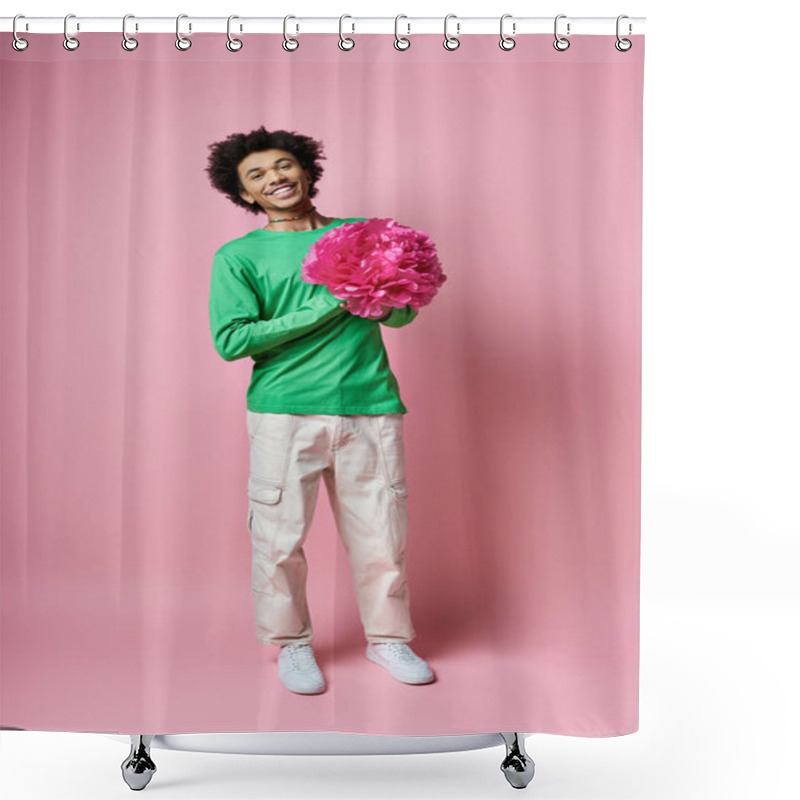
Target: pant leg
x=368, y=494
x=287, y=455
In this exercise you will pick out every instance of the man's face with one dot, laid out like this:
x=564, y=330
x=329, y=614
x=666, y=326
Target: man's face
x=264, y=172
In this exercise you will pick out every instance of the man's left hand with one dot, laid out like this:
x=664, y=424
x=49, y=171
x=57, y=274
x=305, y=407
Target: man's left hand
x=384, y=310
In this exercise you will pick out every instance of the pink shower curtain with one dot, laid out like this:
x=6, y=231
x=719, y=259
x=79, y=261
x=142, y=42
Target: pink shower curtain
x=125, y=551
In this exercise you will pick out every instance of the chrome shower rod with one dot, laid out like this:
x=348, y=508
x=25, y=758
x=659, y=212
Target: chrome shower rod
x=457, y=26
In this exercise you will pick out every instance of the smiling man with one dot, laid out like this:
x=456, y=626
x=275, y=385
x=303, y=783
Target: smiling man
x=322, y=402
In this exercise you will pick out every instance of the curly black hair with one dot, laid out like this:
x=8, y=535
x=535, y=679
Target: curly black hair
x=226, y=156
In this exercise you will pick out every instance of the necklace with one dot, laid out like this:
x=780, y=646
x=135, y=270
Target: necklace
x=299, y=216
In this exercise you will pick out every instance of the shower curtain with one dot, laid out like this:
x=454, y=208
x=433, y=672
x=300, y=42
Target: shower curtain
x=125, y=549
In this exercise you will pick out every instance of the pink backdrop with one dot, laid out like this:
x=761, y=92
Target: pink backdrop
x=126, y=602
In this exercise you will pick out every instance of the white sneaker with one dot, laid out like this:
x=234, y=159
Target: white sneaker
x=298, y=669
x=401, y=661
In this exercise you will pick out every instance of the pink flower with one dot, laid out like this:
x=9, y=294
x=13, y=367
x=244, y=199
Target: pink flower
x=374, y=263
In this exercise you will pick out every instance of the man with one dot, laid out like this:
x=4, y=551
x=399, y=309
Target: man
x=322, y=401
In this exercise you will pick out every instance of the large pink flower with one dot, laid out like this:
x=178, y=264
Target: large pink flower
x=374, y=263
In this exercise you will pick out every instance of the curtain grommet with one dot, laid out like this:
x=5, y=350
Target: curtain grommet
x=345, y=42
x=70, y=42
x=401, y=42
x=451, y=42
x=182, y=42
x=233, y=44
x=290, y=44
x=129, y=43
x=507, y=42
x=561, y=43
x=623, y=45
x=17, y=42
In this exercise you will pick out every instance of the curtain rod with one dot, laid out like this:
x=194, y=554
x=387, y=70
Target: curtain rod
x=350, y=24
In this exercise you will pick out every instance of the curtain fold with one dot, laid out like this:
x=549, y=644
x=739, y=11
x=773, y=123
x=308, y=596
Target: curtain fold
x=124, y=550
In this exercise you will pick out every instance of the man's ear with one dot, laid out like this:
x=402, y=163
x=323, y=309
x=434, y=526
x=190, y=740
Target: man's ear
x=246, y=196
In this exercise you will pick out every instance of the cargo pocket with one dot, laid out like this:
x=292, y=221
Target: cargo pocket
x=398, y=511
x=389, y=435
x=263, y=491
x=264, y=497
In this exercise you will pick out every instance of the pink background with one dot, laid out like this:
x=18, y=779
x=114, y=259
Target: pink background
x=124, y=554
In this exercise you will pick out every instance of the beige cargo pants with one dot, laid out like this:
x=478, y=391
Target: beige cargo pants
x=362, y=459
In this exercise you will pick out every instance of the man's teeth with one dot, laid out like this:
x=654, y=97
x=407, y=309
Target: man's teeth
x=284, y=191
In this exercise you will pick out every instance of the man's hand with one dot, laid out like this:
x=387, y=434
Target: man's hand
x=384, y=311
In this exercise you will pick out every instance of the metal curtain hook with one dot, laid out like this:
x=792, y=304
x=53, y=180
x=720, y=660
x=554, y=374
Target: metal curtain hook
x=128, y=42
x=16, y=42
x=233, y=44
x=290, y=44
x=70, y=42
x=406, y=43
x=345, y=42
x=451, y=42
x=623, y=45
x=506, y=42
x=560, y=42
x=182, y=43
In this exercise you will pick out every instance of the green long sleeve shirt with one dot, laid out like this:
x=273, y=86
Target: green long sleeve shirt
x=310, y=355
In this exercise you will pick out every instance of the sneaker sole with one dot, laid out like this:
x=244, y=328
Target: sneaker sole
x=303, y=691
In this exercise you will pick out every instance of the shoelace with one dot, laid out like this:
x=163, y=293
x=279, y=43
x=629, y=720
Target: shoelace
x=302, y=657
x=399, y=651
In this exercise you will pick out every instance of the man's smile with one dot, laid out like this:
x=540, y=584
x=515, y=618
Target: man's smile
x=283, y=190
